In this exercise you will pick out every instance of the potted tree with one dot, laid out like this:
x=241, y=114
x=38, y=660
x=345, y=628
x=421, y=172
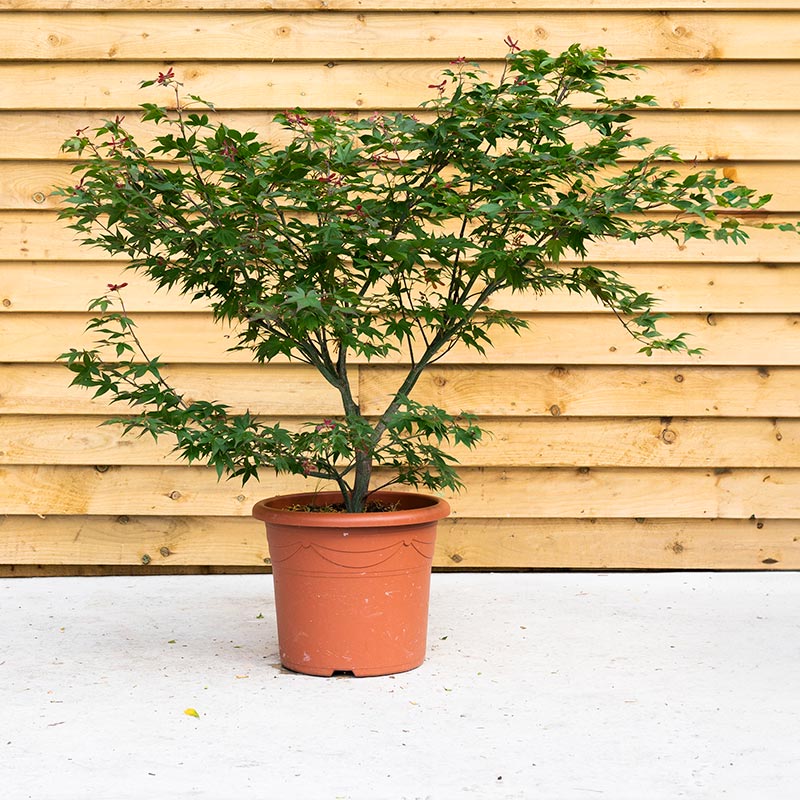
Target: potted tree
x=352, y=238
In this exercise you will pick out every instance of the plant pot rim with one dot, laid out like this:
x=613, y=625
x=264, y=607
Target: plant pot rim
x=414, y=509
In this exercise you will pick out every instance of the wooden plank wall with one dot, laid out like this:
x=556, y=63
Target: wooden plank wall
x=601, y=458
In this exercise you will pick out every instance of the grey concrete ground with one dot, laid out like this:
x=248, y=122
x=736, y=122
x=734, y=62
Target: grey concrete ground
x=545, y=686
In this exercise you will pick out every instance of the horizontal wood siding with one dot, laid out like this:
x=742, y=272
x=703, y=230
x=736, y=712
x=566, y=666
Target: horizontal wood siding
x=406, y=34
x=599, y=457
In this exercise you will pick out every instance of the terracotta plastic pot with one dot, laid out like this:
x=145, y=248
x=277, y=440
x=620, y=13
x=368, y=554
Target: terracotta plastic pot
x=351, y=590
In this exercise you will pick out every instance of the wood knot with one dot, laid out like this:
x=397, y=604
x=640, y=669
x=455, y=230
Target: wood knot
x=176, y=495
x=555, y=410
x=669, y=436
x=456, y=558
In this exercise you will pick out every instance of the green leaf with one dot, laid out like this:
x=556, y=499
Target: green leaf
x=356, y=239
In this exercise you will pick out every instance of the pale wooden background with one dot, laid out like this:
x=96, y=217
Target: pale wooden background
x=601, y=458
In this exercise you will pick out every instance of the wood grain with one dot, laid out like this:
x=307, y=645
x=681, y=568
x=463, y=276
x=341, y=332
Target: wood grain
x=494, y=390
x=703, y=135
x=600, y=459
x=242, y=36
x=511, y=442
x=29, y=185
x=172, y=542
x=491, y=493
x=489, y=391
x=390, y=5
x=40, y=236
x=694, y=85
x=192, y=338
x=33, y=286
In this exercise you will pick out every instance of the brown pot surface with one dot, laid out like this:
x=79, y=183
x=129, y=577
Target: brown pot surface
x=351, y=590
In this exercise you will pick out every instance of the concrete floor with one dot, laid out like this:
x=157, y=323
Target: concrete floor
x=549, y=686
